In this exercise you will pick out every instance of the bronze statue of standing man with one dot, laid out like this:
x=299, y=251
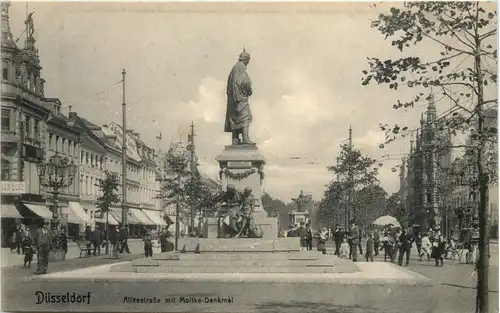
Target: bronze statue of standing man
x=239, y=89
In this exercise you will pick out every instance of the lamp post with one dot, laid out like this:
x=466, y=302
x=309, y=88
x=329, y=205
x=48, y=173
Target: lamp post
x=56, y=174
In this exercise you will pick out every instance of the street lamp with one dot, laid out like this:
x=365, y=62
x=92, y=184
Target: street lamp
x=57, y=173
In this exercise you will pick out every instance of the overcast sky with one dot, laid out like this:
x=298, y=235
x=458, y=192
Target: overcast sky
x=306, y=71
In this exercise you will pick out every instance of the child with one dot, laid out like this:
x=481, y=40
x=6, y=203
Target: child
x=369, y=248
x=344, y=249
x=438, y=250
x=28, y=250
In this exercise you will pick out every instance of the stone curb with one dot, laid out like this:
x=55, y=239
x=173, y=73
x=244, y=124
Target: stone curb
x=412, y=273
x=334, y=279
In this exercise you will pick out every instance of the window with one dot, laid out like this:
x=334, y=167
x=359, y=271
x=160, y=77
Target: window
x=5, y=170
x=81, y=157
x=36, y=129
x=5, y=119
x=27, y=125
x=57, y=143
x=5, y=70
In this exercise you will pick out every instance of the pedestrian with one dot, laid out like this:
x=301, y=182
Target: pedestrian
x=148, y=245
x=388, y=246
x=124, y=233
x=344, y=249
x=309, y=237
x=369, y=248
x=354, y=241
x=114, y=241
x=19, y=239
x=438, y=250
x=28, y=249
x=418, y=243
x=89, y=238
x=63, y=239
x=338, y=237
x=43, y=242
x=426, y=247
x=302, y=233
x=360, y=245
x=322, y=238
x=376, y=242
x=405, y=242
x=97, y=240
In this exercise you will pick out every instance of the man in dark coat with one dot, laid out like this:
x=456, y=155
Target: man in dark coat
x=338, y=237
x=302, y=233
x=309, y=237
x=405, y=241
x=97, y=240
x=354, y=241
x=43, y=243
x=123, y=237
x=89, y=238
x=376, y=242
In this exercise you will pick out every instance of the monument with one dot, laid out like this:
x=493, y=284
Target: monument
x=241, y=164
x=300, y=213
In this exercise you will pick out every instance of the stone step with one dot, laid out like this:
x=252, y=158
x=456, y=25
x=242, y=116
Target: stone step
x=255, y=269
x=235, y=263
x=251, y=256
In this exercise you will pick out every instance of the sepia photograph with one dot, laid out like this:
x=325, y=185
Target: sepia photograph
x=255, y=157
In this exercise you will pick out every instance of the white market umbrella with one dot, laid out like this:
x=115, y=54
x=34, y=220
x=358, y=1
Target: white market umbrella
x=385, y=220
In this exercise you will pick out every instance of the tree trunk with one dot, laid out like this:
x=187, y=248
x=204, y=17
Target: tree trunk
x=482, y=263
x=107, y=233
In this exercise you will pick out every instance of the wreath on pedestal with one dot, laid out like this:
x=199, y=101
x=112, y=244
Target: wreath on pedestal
x=240, y=176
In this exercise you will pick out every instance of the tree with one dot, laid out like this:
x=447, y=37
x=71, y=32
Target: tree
x=355, y=172
x=369, y=203
x=108, y=187
x=465, y=32
x=398, y=209
x=330, y=206
x=186, y=189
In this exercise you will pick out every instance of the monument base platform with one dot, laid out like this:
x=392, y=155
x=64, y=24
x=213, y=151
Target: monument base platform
x=231, y=245
x=242, y=262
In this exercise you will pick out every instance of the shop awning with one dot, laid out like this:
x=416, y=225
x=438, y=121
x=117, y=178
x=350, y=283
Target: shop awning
x=40, y=210
x=131, y=219
x=155, y=217
x=141, y=216
x=76, y=214
x=111, y=219
x=9, y=211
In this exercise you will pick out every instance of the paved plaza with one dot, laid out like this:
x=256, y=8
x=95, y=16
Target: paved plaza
x=440, y=289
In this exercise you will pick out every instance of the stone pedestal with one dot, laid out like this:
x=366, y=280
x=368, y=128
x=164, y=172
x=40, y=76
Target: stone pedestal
x=211, y=228
x=243, y=166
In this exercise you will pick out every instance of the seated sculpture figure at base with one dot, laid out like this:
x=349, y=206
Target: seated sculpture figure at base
x=235, y=216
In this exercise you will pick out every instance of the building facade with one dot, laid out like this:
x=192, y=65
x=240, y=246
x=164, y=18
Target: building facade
x=33, y=130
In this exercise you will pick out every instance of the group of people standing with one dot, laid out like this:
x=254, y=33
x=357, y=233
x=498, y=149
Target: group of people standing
x=305, y=233
x=395, y=242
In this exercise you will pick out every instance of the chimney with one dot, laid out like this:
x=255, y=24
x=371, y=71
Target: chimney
x=73, y=115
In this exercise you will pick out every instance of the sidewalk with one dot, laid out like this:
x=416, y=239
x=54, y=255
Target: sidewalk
x=9, y=259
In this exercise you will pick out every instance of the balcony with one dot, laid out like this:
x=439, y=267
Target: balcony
x=10, y=137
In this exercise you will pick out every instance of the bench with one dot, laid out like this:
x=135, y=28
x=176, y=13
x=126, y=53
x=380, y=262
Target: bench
x=82, y=245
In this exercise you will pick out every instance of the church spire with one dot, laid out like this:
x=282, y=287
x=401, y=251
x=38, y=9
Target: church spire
x=7, y=38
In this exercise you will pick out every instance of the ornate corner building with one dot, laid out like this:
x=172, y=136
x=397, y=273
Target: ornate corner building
x=32, y=129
